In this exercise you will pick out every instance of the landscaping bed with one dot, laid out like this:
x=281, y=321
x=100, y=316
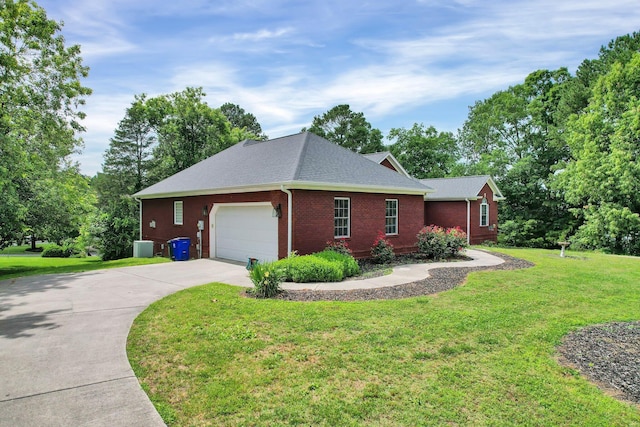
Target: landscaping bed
x=441, y=279
x=608, y=355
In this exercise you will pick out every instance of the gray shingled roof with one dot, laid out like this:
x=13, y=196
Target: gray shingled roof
x=302, y=160
x=460, y=188
x=377, y=157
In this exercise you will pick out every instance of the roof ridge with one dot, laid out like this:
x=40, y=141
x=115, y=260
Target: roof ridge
x=303, y=150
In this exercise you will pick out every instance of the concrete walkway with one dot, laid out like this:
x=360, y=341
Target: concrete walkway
x=63, y=358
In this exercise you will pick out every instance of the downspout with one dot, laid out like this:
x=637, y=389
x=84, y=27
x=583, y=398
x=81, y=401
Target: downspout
x=140, y=215
x=468, y=220
x=289, y=218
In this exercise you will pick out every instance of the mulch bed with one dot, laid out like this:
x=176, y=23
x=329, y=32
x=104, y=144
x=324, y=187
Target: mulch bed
x=441, y=279
x=609, y=355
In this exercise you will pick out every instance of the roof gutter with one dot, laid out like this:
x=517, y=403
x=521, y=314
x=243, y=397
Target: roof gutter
x=289, y=218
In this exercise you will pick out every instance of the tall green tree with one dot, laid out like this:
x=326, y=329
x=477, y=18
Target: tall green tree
x=128, y=161
x=423, y=151
x=348, y=129
x=40, y=92
x=517, y=135
x=603, y=179
x=240, y=119
x=188, y=131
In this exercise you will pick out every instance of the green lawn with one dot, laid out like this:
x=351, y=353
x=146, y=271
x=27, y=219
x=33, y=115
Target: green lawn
x=22, y=249
x=481, y=354
x=16, y=266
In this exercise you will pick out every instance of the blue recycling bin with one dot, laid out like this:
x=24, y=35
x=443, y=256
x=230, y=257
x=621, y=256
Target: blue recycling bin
x=179, y=248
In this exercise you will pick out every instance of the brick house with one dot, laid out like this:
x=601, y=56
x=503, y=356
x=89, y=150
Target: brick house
x=264, y=199
x=468, y=202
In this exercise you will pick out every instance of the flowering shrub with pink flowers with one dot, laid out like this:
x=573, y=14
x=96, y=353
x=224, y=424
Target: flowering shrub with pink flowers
x=340, y=246
x=437, y=243
x=382, y=250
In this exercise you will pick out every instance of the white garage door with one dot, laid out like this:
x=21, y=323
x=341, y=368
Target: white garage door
x=244, y=232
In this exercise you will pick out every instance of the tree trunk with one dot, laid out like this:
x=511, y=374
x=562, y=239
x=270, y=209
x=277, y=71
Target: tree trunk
x=33, y=243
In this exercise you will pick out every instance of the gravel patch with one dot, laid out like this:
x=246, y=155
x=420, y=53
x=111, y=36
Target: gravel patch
x=609, y=355
x=441, y=279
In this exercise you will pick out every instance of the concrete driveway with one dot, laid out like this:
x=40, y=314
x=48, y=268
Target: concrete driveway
x=63, y=340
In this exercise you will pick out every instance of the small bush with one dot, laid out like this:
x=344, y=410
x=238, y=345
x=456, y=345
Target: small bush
x=382, y=250
x=340, y=246
x=349, y=264
x=311, y=268
x=55, y=251
x=437, y=243
x=266, y=279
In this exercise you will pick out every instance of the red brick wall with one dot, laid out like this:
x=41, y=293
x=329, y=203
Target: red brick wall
x=161, y=210
x=454, y=214
x=313, y=220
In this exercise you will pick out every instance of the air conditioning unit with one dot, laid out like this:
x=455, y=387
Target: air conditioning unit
x=143, y=249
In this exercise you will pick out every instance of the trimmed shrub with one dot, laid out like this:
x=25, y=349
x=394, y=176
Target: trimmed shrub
x=311, y=268
x=349, y=264
x=382, y=250
x=266, y=279
x=55, y=251
x=437, y=243
x=340, y=246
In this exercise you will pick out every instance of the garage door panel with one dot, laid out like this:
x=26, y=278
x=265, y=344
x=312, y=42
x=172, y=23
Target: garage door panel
x=246, y=231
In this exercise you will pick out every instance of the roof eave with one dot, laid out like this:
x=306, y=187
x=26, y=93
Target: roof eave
x=291, y=185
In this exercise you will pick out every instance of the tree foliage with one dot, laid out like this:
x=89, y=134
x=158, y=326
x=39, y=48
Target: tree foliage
x=241, y=119
x=603, y=179
x=517, y=135
x=40, y=92
x=423, y=151
x=348, y=129
x=128, y=161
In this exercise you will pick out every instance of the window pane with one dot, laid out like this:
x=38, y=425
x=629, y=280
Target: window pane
x=177, y=213
x=341, y=217
x=391, y=217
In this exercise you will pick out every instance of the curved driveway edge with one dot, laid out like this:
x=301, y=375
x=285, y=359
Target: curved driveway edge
x=63, y=337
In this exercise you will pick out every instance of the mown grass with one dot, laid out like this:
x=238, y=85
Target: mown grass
x=22, y=249
x=17, y=266
x=480, y=354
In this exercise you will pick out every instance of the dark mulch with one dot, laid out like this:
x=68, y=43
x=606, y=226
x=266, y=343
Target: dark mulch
x=441, y=279
x=608, y=355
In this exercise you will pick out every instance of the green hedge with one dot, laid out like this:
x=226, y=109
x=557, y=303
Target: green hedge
x=325, y=266
x=349, y=264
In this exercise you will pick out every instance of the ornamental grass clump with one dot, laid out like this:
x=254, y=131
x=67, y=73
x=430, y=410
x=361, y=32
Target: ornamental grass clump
x=437, y=243
x=382, y=250
x=266, y=279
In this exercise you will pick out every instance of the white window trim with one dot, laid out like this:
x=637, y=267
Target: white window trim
x=175, y=212
x=396, y=216
x=348, y=235
x=484, y=203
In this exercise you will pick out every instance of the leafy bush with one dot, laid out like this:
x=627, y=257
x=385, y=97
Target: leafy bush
x=311, y=268
x=116, y=227
x=382, y=250
x=266, y=279
x=340, y=246
x=349, y=264
x=456, y=241
x=55, y=251
x=437, y=243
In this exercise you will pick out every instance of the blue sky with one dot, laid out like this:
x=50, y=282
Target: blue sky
x=399, y=62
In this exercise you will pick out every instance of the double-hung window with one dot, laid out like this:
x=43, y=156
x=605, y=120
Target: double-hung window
x=341, y=217
x=484, y=213
x=391, y=217
x=178, y=213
